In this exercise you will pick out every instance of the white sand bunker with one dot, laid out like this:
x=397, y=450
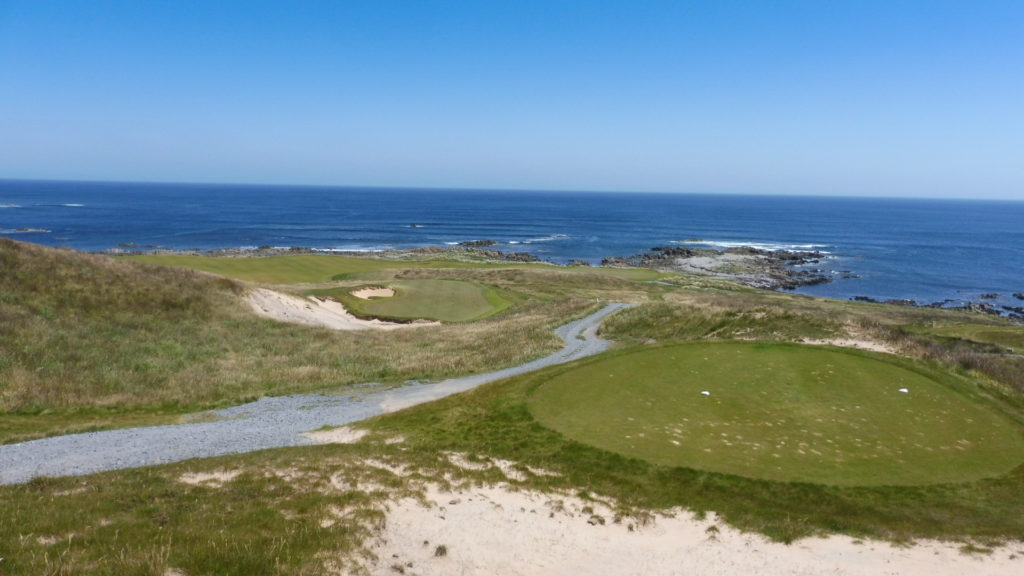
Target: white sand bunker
x=492, y=531
x=317, y=312
x=377, y=292
x=859, y=343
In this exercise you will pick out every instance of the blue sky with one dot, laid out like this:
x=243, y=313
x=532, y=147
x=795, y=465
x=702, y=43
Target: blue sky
x=859, y=98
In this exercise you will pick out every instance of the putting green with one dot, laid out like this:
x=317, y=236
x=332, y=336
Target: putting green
x=443, y=300
x=780, y=412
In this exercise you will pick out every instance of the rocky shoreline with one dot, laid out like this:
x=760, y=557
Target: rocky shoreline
x=1015, y=313
x=754, y=267
x=769, y=270
x=473, y=249
x=765, y=269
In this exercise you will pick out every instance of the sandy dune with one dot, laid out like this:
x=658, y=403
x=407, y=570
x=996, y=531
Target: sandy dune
x=317, y=312
x=497, y=532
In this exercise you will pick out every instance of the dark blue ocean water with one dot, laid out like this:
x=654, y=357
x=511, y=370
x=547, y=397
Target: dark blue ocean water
x=925, y=250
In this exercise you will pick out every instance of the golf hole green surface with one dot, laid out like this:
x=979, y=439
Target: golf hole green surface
x=780, y=412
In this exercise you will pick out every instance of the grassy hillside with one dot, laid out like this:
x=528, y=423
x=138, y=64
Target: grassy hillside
x=90, y=341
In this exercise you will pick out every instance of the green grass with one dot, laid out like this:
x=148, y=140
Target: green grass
x=442, y=300
x=80, y=332
x=265, y=520
x=781, y=412
x=292, y=269
x=1007, y=336
x=94, y=342
x=310, y=268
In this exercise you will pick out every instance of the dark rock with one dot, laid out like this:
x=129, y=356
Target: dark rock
x=578, y=263
x=865, y=299
x=901, y=302
x=989, y=296
x=761, y=268
x=1018, y=295
x=477, y=243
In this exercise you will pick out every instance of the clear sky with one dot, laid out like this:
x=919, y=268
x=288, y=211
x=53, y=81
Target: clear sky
x=863, y=97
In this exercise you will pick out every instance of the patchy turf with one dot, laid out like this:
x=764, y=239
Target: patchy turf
x=782, y=412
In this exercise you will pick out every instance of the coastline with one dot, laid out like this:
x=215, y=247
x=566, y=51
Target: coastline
x=767, y=269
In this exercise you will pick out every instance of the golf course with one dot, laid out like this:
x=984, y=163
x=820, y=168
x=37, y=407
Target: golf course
x=720, y=414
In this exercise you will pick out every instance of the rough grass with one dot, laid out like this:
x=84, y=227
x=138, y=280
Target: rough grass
x=84, y=331
x=782, y=412
x=442, y=300
x=306, y=516
x=495, y=422
x=307, y=510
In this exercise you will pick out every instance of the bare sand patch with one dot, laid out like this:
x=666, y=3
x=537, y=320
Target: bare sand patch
x=342, y=435
x=317, y=312
x=859, y=343
x=377, y=292
x=214, y=479
x=493, y=531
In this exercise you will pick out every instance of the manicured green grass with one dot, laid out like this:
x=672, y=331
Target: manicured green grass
x=305, y=268
x=496, y=421
x=1007, y=336
x=442, y=300
x=781, y=412
x=295, y=269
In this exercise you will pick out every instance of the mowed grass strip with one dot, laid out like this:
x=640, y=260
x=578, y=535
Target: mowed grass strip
x=442, y=300
x=781, y=412
x=305, y=268
x=292, y=269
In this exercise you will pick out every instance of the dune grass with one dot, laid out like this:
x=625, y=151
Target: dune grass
x=311, y=510
x=81, y=332
x=95, y=341
x=782, y=412
x=442, y=300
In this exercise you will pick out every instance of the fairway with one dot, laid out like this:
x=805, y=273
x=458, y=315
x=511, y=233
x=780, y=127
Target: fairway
x=780, y=412
x=299, y=268
x=442, y=300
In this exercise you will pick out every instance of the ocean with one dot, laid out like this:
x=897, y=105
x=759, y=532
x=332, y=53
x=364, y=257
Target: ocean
x=922, y=250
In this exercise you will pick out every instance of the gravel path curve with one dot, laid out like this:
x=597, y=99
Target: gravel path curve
x=267, y=423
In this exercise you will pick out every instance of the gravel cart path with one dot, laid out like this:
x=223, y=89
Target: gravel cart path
x=267, y=423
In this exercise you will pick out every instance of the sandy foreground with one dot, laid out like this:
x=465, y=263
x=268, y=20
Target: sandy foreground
x=495, y=531
x=317, y=312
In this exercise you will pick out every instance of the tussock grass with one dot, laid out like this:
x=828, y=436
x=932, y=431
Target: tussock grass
x=82, y=332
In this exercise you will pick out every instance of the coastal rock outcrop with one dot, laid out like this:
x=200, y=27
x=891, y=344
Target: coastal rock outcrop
x=767, y=269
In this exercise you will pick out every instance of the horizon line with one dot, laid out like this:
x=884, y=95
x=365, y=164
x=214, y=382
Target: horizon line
x=509, y=189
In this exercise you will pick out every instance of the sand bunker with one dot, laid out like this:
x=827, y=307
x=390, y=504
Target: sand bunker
x=379, y=292
x=317, y=312
x=493, y=531
x=859, y=343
